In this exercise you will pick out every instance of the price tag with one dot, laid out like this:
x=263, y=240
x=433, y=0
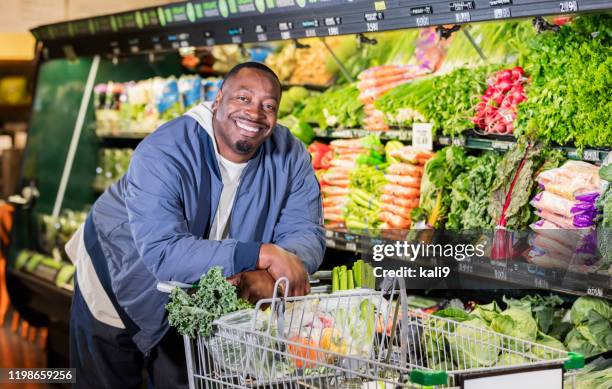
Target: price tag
x=333, y=31
x=541, y=283
x=462, y=17
x=331, y=243
x=500, y=274
x=351, y=246
x=311, y=32
x=597, y=292
x=466, y=267
x=329, y=234
x=422, y=21
x=286, y=35
x=498, y=145
x=501, y=13
x=262, y=37
x=422, y=135
x=458, y=141
x=568, y=6
x=372, y=27
x=590, y=155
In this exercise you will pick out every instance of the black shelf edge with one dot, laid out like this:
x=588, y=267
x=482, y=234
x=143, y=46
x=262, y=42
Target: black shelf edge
x=208, y=23
x=493, y=143
x=512, y=273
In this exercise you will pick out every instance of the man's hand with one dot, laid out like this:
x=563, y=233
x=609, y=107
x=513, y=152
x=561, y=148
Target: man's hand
x=255, y=285
x=281, y=263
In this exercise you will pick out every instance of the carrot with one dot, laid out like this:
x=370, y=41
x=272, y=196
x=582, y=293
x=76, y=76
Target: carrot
x=304, y=356
x=382, y=71
x=394, y=221
x=405, y=169
x=334, y=191
x=335, y=175
x=333, y=201
x=408, y=181
x=338, y=183
x=401, y=191
x=400, y=201
x=342, y=163
x=396, y=210
x=379, y=81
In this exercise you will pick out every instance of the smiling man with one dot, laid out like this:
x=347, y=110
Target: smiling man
x=223, y=185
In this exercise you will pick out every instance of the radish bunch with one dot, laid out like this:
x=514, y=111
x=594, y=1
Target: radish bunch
x=496, y=111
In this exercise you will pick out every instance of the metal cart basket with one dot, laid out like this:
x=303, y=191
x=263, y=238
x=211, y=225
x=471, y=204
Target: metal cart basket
x=369, y=340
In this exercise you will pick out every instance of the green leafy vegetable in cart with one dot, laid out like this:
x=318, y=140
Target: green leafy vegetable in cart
x=193, y=314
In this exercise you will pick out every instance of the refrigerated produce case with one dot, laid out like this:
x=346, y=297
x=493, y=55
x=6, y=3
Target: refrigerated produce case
x=65, y=148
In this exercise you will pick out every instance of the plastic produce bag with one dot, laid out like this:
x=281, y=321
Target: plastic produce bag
x=550, y=202
x=573, y=180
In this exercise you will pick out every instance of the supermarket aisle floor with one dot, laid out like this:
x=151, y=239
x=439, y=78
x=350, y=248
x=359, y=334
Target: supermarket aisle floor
x=17, y=352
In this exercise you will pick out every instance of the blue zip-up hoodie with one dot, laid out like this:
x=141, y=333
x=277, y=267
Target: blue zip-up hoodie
x=153, y=224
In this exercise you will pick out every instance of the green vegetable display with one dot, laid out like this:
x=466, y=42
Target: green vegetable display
x=570, y=97
x=440, y=172
x=524, y=162
x=193, y=314
x=470, y=194
x=337, y=107
x=447, y=101
x=363, y=208
x=595, y=375
x=592, y=332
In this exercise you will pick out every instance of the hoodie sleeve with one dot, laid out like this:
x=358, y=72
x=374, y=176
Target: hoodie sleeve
x=155, y=182
x=299, y=228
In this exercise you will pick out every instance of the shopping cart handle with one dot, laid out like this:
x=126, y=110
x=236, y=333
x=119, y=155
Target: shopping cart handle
x=168, y=286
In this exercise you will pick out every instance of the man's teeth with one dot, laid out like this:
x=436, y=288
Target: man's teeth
x=246, y=127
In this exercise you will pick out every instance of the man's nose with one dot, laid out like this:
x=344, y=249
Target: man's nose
x=255, y=111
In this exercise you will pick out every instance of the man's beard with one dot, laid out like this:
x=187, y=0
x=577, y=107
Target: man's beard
x=243, y=146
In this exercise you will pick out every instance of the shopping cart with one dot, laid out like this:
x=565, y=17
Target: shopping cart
x=368, y=340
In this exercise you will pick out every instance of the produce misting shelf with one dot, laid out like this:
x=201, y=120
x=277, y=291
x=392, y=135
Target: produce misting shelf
x=477, y=272
x=206, y=23
x=495, y=143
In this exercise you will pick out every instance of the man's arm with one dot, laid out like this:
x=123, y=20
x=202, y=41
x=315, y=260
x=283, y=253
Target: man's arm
x=299, y=228
x=156, y=215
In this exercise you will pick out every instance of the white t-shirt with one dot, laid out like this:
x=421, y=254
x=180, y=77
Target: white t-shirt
x=231, y=173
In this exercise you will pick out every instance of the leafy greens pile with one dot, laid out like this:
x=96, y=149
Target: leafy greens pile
x=440, y=172
x=470, y=193
x=570, y=96
x=193, y=314
x=539, y=319
x=447, y=100
x=524, y=162
x=337, y=107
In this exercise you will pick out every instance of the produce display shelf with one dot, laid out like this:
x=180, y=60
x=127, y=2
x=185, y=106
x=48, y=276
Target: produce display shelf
x=403, y=135
x=495, y=143
x=196, y=23
x=126, y=135
x=502, y=274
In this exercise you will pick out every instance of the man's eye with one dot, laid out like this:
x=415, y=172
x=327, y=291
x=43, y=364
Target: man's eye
x=243, y=98
x=270, y=107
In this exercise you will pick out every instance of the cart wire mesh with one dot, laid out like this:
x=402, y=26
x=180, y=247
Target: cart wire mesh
x=353, y=339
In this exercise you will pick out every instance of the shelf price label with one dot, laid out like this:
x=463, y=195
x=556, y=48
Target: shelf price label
x=597, y=292
x=462, y=17
x=424, y=10
x=422, y=21
x=422, y=136
x=501, y=13
x=498, y=3
x=541, y=283
x=331, y=243
x=457, y=6
x=568, y=6
x=590, y=155
x=333, y=31
x=351, y=246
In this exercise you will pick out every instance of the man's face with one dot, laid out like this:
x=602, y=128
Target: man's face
x=245, y=113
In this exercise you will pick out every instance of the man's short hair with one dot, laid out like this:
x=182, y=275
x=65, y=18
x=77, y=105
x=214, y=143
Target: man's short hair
x=251, y=65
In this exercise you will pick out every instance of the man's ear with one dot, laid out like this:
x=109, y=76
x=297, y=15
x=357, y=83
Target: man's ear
x=215, y=104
